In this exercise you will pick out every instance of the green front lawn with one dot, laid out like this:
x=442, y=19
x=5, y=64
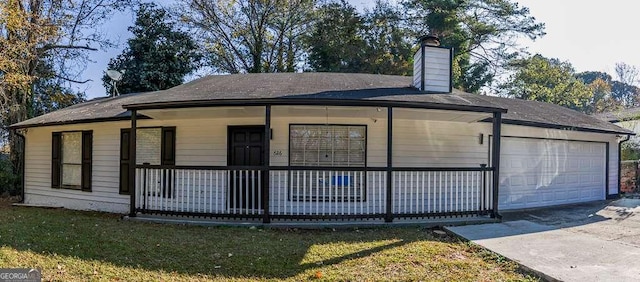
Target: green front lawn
x=79, y=246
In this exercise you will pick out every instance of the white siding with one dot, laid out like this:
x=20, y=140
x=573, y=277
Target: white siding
x=417, y=69
x=437, y=69
x=204, y=142
x=104, y=195
x=198, y=142
x=439, y=143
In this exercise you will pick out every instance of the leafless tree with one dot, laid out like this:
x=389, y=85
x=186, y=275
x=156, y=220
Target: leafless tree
x=58, y=33
x=249, y=35
x=626, y=73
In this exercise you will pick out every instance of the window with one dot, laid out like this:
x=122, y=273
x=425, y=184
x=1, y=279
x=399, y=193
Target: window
x=148, y=146
x=327, y=146
x=71, y=158
x=154, y=146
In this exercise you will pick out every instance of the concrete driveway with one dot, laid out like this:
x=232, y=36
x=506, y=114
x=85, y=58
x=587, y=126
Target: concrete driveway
x=598, y=241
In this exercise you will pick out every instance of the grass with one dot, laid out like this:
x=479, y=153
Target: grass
x=80, y=246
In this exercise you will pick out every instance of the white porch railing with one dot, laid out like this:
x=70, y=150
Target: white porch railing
x=327, y=193
x=313, y=193
x=198, y=191
x=440, y=192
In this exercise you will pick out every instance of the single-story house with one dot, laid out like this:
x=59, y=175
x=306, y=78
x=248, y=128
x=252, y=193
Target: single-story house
x=319, y=146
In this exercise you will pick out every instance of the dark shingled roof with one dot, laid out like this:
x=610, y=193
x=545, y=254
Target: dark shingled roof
x=303, y=86
x=380, y=89
x=620, y=115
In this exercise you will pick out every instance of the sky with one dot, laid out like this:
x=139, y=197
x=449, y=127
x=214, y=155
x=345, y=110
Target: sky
x=592, y=35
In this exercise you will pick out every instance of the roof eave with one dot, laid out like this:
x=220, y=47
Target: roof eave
x=311, y=102
x=561, y=127
x=79, y=121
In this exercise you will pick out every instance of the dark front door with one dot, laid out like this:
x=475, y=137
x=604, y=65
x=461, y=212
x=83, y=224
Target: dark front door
x=246, y=148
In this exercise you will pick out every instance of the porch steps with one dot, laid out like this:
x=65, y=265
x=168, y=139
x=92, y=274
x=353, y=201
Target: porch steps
x=425, y=223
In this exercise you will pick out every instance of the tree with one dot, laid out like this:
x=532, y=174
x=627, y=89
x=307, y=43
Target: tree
x=49, y=94
x=627, y=73
x=389, y=42
x=590, y=76
x=342, y=40
x=547, y=80
x=603, y=100
x=35, y=32
x=625, y=95
x=157, y=57
x=630, y=151
x=53, y=32
x=250, y=35
x=625, y=88
x=335, y=42
x=23, y=33
x=483, y=34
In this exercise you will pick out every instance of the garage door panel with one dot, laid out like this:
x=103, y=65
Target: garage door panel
x=531, y=180
x=588, y=194
x=587, y=179
x=516, y=181
x=548, y=196
x=530, y=198
x=597, y=165
x=540, y=172
x=516, y=164
x=559, y=179
x=574, y=165
x=574, y=194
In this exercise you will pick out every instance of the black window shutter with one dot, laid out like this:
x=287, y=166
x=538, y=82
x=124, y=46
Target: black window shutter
x=56, y=159
x=87, y=157
x=168, y=152
x=124, y=161
x=168, y=157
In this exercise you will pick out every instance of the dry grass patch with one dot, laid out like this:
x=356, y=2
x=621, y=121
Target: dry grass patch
x=80, y=246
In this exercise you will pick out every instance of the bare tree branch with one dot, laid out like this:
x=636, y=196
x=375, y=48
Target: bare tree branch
x=49, y=47
x=248, y=36
x=73, y=80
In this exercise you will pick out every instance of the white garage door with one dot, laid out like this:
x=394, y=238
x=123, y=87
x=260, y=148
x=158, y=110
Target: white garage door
x=543, y=172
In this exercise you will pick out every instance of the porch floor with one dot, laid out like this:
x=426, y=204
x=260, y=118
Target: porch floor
x=362, y=223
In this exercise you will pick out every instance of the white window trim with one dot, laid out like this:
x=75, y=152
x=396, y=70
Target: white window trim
x=64, y=164
x=327, y=186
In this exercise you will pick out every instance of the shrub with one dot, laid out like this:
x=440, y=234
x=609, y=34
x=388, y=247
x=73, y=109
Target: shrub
x=630, y=151
x=9, y=181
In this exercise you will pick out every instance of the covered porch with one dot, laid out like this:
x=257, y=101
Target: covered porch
x=322, y=161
